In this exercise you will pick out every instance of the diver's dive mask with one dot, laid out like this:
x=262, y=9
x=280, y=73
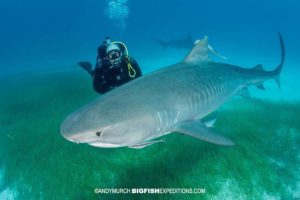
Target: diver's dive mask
x=115, y=58
x=115, y=54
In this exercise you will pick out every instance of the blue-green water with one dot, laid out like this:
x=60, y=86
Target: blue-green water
x=40, y=84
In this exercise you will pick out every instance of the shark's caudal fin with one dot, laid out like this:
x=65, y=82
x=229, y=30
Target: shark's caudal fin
x=278, y=69
x=276, y=72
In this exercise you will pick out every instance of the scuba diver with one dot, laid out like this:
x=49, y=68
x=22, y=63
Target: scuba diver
x=113, y=66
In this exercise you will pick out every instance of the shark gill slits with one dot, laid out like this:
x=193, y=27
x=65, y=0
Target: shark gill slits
x=99, y=133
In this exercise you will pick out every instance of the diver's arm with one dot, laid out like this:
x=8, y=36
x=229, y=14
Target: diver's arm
x=100, y=84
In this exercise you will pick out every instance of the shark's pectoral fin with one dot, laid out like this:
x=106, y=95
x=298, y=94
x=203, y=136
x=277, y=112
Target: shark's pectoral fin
x=198, y=130
x=144, y=144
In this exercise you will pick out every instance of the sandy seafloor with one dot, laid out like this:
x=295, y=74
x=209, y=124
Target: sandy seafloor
x=38, y=163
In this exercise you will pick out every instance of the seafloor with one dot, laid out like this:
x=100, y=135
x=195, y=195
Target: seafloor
x=38, y=163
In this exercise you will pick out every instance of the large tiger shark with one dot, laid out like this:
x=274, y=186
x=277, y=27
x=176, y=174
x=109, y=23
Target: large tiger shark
x=176, y=98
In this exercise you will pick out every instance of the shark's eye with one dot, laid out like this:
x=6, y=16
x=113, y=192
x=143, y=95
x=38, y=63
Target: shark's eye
x=99, y=133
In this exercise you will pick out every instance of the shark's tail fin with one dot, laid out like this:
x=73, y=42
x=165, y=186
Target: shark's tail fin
x=162, y=43
x=278, y=69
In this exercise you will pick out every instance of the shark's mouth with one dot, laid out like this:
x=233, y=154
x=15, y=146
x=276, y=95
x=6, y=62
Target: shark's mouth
x=104, y=145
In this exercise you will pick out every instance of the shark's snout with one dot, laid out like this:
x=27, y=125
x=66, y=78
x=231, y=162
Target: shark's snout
x=69, y=129
x=66, y=133
x=72, y=130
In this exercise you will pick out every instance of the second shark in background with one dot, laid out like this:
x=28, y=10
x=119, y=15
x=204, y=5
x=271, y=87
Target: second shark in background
x=185, y=43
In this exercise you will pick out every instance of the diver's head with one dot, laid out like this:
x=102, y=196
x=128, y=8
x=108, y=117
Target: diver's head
x=114, y=54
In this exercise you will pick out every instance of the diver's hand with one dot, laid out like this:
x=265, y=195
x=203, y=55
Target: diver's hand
x=99, y=64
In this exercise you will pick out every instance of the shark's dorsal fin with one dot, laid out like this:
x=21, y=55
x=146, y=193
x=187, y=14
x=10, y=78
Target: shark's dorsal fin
x=199, y=53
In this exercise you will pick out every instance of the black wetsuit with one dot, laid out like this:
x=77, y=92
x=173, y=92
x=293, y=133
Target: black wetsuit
x=107, y=77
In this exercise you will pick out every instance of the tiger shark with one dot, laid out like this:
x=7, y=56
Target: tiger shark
x=182, y=43
x=185, y=43
x=174, y=99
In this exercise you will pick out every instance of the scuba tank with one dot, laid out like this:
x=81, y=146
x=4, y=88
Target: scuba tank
x=102, y=48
